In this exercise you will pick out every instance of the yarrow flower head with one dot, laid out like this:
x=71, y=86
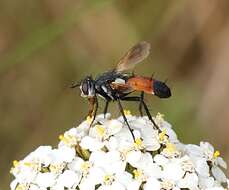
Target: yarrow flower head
x=105, y=157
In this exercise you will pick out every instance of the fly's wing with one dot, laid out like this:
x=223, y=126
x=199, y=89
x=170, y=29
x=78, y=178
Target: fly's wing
x=134, y=56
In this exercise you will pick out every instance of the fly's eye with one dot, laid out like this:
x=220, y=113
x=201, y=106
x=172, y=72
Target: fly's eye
x=84, y=88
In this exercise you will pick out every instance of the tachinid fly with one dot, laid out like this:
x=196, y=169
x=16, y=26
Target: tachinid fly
x=118, y=84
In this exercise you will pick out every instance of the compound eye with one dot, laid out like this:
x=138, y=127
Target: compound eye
x=85, y=88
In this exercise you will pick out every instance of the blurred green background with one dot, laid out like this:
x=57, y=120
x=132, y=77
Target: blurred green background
x=47, y=44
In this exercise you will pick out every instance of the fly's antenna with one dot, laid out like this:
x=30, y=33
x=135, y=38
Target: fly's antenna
x=74, y=84
x=152, y=75
x=166, y=80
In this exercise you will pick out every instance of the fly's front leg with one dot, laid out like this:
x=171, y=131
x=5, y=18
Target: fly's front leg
x=93, y=108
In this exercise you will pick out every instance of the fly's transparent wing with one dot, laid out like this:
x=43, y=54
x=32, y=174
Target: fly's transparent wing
x=134, y=56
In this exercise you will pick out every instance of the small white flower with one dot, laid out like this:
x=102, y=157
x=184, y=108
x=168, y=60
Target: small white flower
x=206, y=182
x=63, y=154
x=91, y=144
x=206, y=158
x=152, y=183
x=190, y=181
x=69, y=179
x=167, y=184
x=218, y=174
x=45, y=179
x=173, y=171
x=103, y=132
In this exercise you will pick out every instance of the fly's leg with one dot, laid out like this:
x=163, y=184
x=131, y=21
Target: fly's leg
x=137, y=99
x=93, y=102
x=106, y=107
x=124, y=117
x=140, y=103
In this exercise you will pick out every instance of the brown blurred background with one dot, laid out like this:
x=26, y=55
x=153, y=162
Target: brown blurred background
x=47, y=44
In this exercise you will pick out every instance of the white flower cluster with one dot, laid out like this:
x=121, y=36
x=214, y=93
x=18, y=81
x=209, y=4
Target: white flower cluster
x=105, y=157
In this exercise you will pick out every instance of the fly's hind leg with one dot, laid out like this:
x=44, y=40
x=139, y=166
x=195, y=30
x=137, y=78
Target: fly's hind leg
x=138, y=99
x=140, y=103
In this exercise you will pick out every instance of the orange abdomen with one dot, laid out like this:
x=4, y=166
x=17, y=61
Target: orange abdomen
x=141, y=84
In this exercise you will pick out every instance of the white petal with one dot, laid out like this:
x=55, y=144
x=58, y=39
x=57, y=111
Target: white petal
x=137, y=134
x=173, y=171
x=152, y=170
x=134, y=185
x=194, y=150
x=160, y=159
x=112, y=144
x=91, y=144
x=68, y=179
x=113, y=126
x=207, y=146
x=133, y=157
x=190, y=181
x=201, y=166
x=86, y=185
x=116, y=186
x=150, y=139
x=76, y=164
x=63, y=154
x=221, y=162
x=26, y=176
x=35, y=187
x=13, y=184
x=206, y=182
x=139, y=123
x=57, y=187
x=96, y=175
x=152, y=183
x=124, y=178
x=99, y=158
x=218, y=174
x=45, y=179
x=172, y=135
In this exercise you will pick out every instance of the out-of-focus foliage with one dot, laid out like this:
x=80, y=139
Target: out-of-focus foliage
x=45, y=45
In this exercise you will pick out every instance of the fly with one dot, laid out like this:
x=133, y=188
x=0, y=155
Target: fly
x=118, y=84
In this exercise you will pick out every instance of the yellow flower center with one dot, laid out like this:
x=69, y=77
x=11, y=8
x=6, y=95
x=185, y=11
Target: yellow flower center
x=162, y=135
x=85, y=166
x=138, y=144
x=216, y=154
x=108, y=179
x=100, y=130
x=138, y=174
x=15, y=163
x=170, y=148
x=22, y=187
x=127, y=112
x=68, y=139
x=56, y=168
x=61, y=137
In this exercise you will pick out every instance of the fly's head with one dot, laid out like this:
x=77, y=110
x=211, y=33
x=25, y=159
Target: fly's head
x=87, y=87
